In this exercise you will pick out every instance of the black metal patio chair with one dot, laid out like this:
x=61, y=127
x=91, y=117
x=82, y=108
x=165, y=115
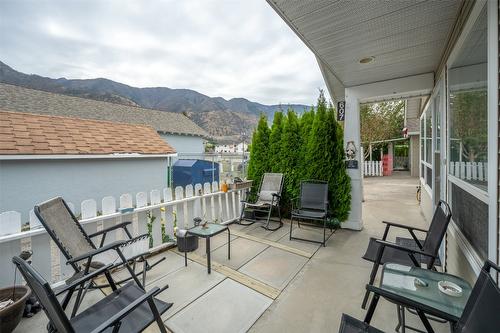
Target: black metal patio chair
x=480, y=315
x=127, y=309
x=312, y=206
x=268, y=198
x=420, y=252
x=81, y=252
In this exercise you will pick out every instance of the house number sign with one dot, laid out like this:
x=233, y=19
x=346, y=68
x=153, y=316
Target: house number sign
x=341, y=111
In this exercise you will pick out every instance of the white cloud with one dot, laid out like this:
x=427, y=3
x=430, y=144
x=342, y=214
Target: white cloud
x=219, y=48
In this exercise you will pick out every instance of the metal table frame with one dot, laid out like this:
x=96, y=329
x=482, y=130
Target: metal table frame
x=421, y=309
x=207, y=241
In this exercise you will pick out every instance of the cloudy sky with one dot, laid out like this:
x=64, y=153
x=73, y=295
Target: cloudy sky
x=219, y=48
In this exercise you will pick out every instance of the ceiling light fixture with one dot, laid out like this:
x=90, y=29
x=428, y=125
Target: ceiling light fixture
x=366, y=60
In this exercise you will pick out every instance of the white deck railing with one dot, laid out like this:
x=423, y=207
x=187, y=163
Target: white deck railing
x=183, y=203
x=372, y=168
x=469, y=170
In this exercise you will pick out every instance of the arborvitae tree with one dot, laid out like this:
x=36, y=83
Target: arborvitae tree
x=290, y=158
x=275, y=142
x=316, y=158
x=339, y=181
x=325, y=159
x=259, y=154
x=305, y=126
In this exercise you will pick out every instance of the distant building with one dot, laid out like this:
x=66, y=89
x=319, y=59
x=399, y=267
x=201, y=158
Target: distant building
x=46, y=156
x=231, y=148
x=175, y=128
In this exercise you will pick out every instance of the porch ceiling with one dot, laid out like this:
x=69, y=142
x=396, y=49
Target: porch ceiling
x=405, y=37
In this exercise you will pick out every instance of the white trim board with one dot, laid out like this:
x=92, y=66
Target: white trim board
x=76, y=156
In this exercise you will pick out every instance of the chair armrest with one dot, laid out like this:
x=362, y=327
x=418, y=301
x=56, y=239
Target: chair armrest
x=397, y=225
x=111, y=228
x=110, y=246
x=85, y=278
x=403, y=248
x=128, y=309
x=276, y=195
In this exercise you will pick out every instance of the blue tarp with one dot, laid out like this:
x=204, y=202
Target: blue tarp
x=194, y=172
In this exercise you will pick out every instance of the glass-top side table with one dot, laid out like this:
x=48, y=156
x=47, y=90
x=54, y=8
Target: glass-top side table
x=210, y=230
x=409, y=282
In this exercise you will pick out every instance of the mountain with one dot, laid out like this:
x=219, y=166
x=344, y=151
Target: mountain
x=225, y=120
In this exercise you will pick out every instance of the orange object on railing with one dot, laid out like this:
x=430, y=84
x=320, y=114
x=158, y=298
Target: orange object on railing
x=224, y=187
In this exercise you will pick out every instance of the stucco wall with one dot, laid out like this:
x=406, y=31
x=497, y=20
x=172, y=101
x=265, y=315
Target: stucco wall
x=185, y=144
x=25, y=183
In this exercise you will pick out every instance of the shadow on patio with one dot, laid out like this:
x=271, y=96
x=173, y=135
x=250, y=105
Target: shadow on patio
x=272, y=284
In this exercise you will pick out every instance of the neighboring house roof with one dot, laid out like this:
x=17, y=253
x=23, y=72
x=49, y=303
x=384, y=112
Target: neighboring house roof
x=30, y=134
x=20, y=99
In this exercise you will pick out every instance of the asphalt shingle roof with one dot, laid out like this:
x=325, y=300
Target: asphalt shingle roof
x=30, y=134
x=20, y=99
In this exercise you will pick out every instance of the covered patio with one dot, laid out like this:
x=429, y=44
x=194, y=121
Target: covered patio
x=274, y=284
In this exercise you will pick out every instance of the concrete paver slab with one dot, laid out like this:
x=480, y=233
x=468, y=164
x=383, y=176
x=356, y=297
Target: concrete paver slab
x=215, y=242
x=229, y=307
x=186, y=285
x=306, y=233
x=270, y=235
x=242, y=251
x=285, y=265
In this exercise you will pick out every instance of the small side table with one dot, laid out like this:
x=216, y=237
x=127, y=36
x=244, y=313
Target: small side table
x=209, y=231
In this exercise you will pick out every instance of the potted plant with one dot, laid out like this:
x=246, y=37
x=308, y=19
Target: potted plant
x=11, y=313
x=185, y=242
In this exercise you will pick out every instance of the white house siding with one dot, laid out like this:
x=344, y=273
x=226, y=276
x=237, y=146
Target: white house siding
x=185, y=144
x=23, y=183
x=456, y=262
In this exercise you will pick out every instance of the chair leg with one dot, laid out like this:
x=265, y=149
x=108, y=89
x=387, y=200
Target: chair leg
x=373, y=274
x=157, y=315
x=291, y=226
x=371, y=310
x=269, y=221
x=324, y=232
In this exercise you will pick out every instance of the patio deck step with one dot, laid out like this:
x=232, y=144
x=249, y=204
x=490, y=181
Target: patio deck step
x=272, y=243
x=239, y=277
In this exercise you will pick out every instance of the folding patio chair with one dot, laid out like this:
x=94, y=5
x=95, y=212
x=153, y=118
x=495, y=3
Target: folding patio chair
x=82, y=254
x=421, y=252
x=268, y=198
x=313, y=206
x=127, y=309
x=480, y=315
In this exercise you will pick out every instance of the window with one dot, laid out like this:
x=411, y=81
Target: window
x=468, y=113
x=426, y=146
x=468, y=136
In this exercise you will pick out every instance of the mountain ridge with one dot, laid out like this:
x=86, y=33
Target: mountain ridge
x=226, y=120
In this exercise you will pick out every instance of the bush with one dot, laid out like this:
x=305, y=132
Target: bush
x=307, y=148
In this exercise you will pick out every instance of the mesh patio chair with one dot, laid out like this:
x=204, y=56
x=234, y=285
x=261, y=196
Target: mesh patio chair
x=480, y=315
x=268, y=198
x=127, y=309
x=81, y=252
x=422, y=252
x=313, y=206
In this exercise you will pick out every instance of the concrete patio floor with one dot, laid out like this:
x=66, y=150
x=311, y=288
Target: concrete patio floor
x=308, y=286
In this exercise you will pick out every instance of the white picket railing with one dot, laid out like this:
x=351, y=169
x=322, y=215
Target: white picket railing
x=469, y=170
x=183, y=203
x=373, y=168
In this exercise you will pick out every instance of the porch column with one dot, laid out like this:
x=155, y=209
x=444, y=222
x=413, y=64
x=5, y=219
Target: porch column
x=352, y=133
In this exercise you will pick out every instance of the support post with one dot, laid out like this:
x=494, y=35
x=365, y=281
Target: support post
x=352, y=133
